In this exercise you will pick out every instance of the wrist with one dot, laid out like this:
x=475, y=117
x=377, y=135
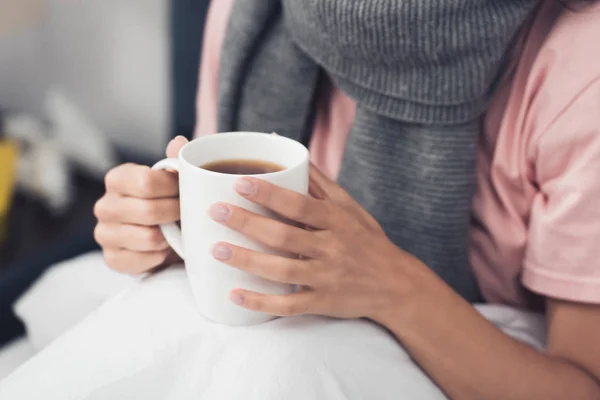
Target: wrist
x=411, y=293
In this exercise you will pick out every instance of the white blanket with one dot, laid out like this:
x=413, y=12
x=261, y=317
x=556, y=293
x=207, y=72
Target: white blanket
x=149, y=343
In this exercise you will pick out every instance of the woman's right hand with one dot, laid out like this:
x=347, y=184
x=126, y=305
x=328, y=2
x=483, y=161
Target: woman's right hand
x=136, y=201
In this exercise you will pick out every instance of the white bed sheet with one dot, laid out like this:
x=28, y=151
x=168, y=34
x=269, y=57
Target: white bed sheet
x=62, y=297
x=13, y=355
x=149, y=342
x=65, y=294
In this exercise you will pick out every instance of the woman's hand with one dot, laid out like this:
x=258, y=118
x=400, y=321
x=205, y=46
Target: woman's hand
x=348, y=268
x=137, y=199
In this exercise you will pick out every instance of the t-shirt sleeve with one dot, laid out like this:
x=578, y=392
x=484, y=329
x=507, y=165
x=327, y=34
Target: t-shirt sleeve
x=214, y=34
x=563, y=252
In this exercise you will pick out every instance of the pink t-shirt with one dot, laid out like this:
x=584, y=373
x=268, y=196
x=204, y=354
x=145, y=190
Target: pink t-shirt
x=536, y=216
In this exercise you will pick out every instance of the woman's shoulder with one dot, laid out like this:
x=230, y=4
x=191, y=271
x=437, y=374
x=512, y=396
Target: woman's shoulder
x=564, y=65
x=569, y=58
x=576, y=33
x=560, y=126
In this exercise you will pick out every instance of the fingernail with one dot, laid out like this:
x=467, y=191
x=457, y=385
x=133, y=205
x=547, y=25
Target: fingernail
x=245, y=187
x=237, y=299
x=219, y=212
x=222, y=252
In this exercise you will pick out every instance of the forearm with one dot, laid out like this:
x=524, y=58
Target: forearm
x=469, y=358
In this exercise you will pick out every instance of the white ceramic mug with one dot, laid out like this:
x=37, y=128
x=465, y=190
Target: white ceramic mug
x=211, y=280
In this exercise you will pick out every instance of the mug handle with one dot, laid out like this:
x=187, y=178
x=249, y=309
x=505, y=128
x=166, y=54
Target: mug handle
x=171, y=232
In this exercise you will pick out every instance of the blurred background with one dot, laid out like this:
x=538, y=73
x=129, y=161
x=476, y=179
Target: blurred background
x=84, y=85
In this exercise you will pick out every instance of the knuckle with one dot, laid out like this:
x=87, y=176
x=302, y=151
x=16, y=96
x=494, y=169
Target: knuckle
x=98, y=234
x=150, y=211
x=325, y=236
x=243, y=221
x=145, y=182
x=111, y=177
x=323, y=277
x=318, y=251
x=160, y=258
x=334, y=210
x=235, y=219
x=331, y=251
x=265, y=191
x=175, y=210
x=255, y=303
x=282, y=235
x=336, y=248
x=288, y=309
x=301, y=210
x=245, y=259
x=98, y=208
x=325, y=243
x=112, y=259
x=240, y=218
x=153, y=237
x=105, y=208
x=335, y=277
x=286, y=274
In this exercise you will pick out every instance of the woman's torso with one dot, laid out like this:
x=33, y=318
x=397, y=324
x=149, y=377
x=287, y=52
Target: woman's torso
x=503, y=254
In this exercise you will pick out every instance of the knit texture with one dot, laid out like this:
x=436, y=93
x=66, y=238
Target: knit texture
x=414, y=60
x=421, y=72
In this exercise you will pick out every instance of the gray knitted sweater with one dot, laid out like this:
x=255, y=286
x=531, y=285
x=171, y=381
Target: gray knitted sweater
x=422, y=73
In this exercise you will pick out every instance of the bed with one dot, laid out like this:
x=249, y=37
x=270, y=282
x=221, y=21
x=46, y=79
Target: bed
x=100, y=335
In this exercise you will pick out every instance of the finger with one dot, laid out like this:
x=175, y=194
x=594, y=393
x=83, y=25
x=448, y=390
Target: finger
x=130, y=237
x=272, y=233
x=283, y=306
x=134, y=263
x=287, y=203
x=321, y=187
x=325, y=187
x=268, y=266
x=175, y=146
x=114, y=209
x=316, y=190
x=142, y=182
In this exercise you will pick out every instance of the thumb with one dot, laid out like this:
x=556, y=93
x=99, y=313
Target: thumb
x=323, y=188
x=175, y=146
x=320, y=186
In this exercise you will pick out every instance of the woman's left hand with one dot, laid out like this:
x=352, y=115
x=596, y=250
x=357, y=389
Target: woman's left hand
x=347, y=267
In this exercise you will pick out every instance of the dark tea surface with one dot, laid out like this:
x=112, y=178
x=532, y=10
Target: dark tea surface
x=242, y=167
